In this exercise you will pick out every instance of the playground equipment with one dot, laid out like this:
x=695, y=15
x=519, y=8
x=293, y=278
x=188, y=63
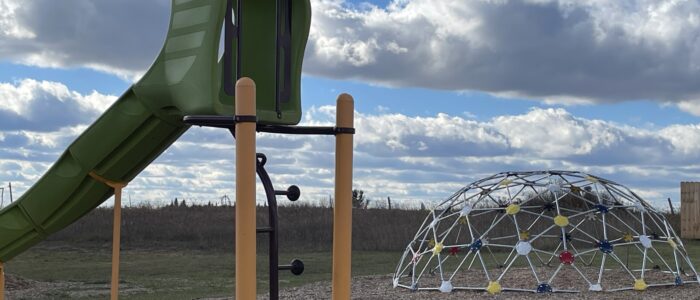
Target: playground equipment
x=545, y=231
x=188, y=85
x=245, y=214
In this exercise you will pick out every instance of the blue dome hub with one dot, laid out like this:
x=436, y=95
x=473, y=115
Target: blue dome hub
x=544, y=288
x=605, y=246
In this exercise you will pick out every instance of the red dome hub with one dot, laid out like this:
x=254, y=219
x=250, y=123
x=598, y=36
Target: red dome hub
x=566, y=258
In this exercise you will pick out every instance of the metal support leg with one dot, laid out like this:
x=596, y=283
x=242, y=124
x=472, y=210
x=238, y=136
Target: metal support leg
x=116, y=242
x=245, y=190
x=116, y=229
x=272, y=219
x=342, y=214
x=297, y=266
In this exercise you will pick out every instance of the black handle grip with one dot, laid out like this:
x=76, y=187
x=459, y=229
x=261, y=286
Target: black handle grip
x=296, y=267
x=293, y=193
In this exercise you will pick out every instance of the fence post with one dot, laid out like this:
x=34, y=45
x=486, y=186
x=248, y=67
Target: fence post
x=690, y=210
x=245, y=189
x=670, y=205
x=342, y=213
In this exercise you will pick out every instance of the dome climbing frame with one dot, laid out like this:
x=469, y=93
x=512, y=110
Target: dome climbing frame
x=544, y=231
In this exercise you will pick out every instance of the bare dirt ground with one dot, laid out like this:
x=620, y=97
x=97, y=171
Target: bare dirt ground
x=20, y=288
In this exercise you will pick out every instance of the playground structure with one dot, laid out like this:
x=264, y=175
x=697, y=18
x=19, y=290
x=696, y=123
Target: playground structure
x=569, y=231
x=189, y=85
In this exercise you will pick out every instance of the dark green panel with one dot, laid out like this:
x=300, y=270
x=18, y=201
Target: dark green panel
x=258, y=55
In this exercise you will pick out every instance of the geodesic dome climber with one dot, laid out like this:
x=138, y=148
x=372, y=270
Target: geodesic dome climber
x=544, y=231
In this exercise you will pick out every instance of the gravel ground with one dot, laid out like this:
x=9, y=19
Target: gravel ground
x=365, y=287
x=380, y=287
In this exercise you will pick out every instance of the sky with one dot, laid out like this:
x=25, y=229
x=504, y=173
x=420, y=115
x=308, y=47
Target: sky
x=446, y=92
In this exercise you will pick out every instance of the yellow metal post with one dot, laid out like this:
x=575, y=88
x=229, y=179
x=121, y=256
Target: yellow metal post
x=116, y=241
x=116, y=230
x=2, y=281
x=245, y=190
x=342, y=214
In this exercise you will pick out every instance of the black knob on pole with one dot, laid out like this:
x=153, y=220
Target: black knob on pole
x=293, y=193
x=296, y=267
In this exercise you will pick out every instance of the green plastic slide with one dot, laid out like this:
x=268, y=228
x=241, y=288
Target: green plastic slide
x=185, y=79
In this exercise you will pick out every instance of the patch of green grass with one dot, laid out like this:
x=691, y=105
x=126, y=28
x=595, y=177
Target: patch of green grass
x=174, y=274
x=190, y=274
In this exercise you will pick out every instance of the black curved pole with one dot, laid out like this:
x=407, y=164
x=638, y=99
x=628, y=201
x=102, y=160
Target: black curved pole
x=272, y=229
x=292, y=193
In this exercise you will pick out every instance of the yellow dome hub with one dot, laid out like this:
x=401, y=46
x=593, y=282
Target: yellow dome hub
x=437, y=249
x=561, y=221
x=672, y=243
x=591, y=179
x=512, y=209
x=627, y=237
x=640, y=285
x=524, y=235
x=494, y=287
x=574, y=189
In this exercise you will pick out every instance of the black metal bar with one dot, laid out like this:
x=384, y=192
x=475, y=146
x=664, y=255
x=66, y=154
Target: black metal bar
x=287, y=44
x=264, y=229
x=245, y=118
x=229, y=122
x=210, y=121
x=315, y=130
x=277, y=59
x=344, y=130
x=229, y=32
x=239, y=29
x=283, y=42
x=261, y=159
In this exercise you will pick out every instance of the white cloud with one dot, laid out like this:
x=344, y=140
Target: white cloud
x=692, y=107
x=46, y=106
x=544, y=134
x=409, y=158
x=428, y=157
x=557, y=51
x=684, y=138
x=9, y=25
x=555, y=133
x=120, y=37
